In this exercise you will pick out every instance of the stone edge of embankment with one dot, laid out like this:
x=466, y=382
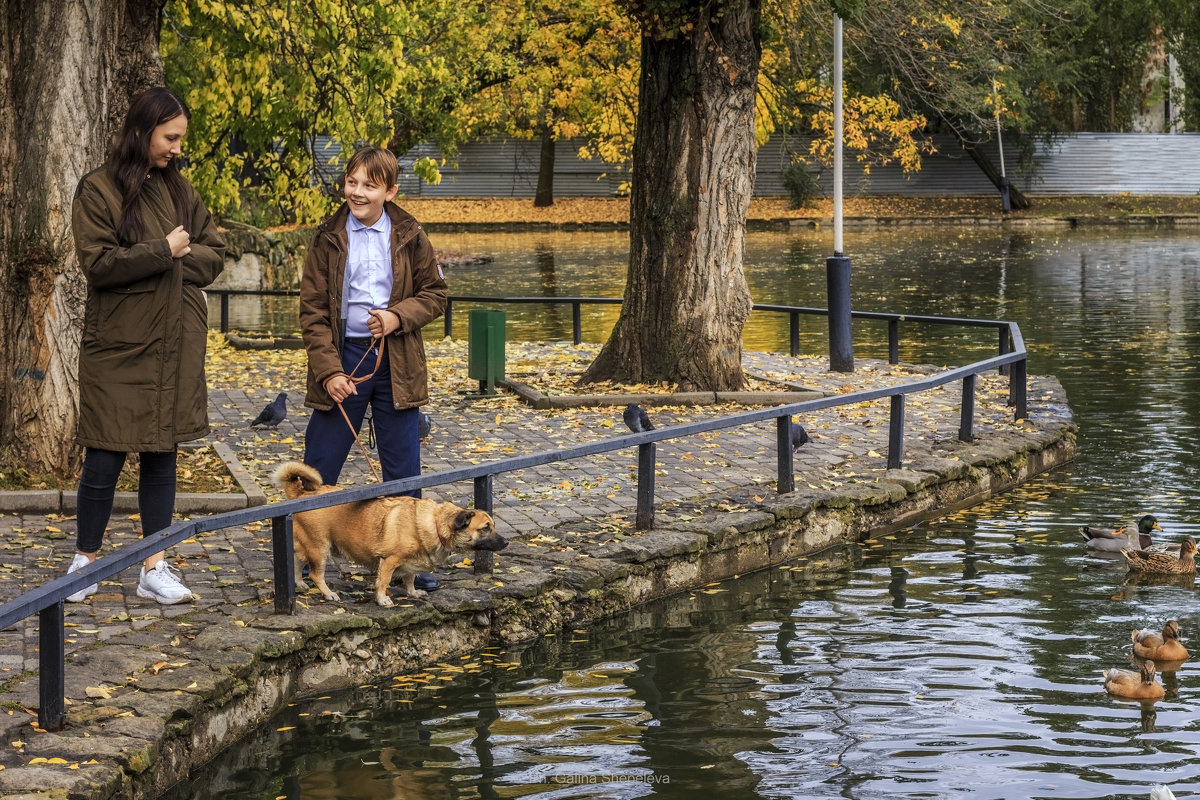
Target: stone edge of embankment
x=184, y=702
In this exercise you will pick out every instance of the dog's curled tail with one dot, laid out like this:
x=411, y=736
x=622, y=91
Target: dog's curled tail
x=297, y=479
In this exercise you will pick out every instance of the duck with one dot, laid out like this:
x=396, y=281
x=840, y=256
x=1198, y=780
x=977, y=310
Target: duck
x=1113, y=540
x=1163, y=646
x=1139, y=685
x=1164, y=563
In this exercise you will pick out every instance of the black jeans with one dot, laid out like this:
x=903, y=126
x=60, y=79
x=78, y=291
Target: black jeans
x=98, y=484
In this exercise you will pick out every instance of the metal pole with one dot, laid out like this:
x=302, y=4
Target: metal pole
x=483, y=561
x=837, y=135
x=1005, y=198
x=837, y=267
x=645, y=487
x=282, y=557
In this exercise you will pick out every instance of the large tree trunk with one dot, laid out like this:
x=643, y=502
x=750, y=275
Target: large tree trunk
x=686, y=299
x=67, y=71
x=545, y=185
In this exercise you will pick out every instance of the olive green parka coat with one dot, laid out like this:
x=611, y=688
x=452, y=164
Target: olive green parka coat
x=418, y=297
x=141, y=360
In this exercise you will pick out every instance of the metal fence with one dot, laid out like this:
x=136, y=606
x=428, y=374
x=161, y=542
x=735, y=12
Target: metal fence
x=47, y=601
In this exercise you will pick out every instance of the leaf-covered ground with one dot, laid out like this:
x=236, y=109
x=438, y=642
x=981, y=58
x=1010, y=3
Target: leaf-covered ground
x=475, y=430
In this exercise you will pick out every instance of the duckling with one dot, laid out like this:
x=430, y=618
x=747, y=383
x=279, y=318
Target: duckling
x=1134, y=685
x=1164, y=563
x=1160, y=647
x=1129, y=537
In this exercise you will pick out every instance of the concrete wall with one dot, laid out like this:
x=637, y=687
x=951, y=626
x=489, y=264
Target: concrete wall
x=1085, y=163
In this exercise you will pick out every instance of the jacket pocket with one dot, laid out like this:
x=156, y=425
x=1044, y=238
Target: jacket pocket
x=131, y=315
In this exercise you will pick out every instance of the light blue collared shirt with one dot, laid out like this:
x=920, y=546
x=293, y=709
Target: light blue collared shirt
x=368, y=271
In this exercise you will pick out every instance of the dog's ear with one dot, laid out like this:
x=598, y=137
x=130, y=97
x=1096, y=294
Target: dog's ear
x=462, y=520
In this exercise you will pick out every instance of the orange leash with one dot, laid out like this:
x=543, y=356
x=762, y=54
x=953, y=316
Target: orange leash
x=345, y=416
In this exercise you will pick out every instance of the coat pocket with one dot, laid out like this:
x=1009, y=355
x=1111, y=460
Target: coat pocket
x=131, y=315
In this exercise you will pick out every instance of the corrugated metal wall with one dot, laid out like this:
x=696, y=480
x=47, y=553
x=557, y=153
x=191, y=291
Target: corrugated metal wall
x=1086, y=163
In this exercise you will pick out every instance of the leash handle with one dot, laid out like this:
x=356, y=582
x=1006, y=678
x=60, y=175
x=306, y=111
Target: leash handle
x=378, y=361
x=367, y=377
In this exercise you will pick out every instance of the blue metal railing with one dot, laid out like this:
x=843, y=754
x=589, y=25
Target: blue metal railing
x=795, y=313
x=47, y=601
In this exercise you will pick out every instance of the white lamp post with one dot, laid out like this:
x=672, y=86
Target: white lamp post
x=837, y=266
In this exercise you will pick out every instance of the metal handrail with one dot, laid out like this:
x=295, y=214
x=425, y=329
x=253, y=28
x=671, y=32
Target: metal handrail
x=48, y=600
x=794, y=313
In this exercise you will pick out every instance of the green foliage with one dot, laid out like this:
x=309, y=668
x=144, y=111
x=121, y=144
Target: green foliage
x=569, y=69
x=263, y=80
x=800, y=182
x=1091, y=73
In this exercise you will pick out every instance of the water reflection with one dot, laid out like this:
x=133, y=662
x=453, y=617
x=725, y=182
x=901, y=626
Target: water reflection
x=959, y=660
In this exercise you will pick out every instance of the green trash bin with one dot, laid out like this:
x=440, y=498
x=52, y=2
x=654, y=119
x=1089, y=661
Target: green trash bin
x=485, y=348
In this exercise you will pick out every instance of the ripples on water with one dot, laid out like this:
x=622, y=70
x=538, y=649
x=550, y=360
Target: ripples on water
x=961, y=659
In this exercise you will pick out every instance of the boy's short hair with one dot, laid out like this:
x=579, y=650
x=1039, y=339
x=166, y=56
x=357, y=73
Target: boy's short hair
x=380, y=165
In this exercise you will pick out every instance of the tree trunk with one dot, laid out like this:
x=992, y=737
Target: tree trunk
x=67, y=71
x=686, y=299
x=545, y=184
x=1018, y=201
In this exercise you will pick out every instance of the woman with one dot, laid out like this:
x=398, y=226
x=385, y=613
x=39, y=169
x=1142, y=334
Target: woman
x=147, y=245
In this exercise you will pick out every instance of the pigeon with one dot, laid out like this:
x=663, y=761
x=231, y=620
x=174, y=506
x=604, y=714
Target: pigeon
x=424, y=424
x=799, y=436
x=636, y=418
x=273, y=414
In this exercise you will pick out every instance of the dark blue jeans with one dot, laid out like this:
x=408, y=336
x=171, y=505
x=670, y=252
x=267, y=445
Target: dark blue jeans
x=98, y=484
x=328, y=439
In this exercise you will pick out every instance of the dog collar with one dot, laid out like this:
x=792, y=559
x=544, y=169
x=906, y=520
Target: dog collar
x=438, y=530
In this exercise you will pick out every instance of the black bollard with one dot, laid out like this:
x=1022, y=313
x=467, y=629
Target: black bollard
x=841, y=343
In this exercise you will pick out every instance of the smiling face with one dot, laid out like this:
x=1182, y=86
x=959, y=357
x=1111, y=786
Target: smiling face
x=366, y=195
x=166, y=140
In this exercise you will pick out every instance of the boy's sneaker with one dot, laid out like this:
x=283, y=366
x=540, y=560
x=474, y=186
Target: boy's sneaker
x=79, y=562
x=163, y=585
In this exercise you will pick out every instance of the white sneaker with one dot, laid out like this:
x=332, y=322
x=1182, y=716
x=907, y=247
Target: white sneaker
x=163, y=585
x=79, y=562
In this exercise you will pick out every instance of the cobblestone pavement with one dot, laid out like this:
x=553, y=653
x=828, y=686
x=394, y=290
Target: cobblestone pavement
x=231, y=569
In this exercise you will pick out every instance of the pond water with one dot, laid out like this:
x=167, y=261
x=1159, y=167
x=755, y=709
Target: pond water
x=961, y=659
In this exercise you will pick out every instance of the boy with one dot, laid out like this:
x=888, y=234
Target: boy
x=370, y=271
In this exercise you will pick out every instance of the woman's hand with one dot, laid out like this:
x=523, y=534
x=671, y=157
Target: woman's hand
x=340, y=387
x=180, y=241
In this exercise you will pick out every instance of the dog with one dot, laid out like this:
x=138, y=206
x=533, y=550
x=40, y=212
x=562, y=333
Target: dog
x=404, y=534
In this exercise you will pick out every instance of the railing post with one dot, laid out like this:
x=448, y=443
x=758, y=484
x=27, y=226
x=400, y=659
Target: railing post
x=783, y=446
x=896, y=432
x=483, y=560
x=576, y=322
x=448, y=319
x=645, y=487
x=52, y=649
x=1017, y=389
x=966, y=421
x=224, y=312
x=283, y=554
x=794, y=332
x=1005, y=347
x=893, y=341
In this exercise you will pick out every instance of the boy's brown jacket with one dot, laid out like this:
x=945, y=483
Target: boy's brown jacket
x=145, y=329
x=418, y=297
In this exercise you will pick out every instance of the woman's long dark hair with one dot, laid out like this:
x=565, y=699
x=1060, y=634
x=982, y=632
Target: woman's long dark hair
x=129, y=162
